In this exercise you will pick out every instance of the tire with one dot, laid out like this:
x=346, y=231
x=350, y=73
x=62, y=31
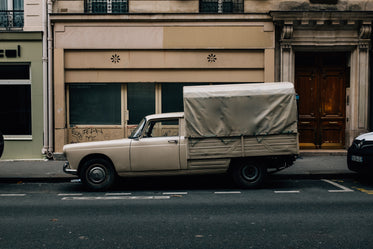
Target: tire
x=248, y=174
x=97, y=174
x=1, y=144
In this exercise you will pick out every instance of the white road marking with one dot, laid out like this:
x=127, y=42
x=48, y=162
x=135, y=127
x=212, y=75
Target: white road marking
x=227, y=192
x=76, y=194
x=118, y=194
x=91, y=198
x=175, y=193
x=342, y=188
x=287, y=192
x=12, y=195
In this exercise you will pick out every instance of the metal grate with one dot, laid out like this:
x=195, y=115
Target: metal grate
x=11, y=19
x=221, y=6
x=106, y=6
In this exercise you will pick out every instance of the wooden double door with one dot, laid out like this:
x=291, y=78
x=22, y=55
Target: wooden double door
x=320, y=82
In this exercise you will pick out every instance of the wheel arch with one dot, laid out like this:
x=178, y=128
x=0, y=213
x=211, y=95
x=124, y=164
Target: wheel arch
x=235, y=162
x=281, y=161
x=95, y=156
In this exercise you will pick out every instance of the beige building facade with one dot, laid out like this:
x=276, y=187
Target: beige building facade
x=132, y=59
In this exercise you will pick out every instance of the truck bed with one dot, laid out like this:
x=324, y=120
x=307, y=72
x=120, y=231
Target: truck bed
x=243, y=146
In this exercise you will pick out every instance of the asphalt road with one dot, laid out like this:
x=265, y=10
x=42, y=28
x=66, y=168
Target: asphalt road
x=206, y=213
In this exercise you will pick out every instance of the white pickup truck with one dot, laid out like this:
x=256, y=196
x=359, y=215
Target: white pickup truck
x=240, y=129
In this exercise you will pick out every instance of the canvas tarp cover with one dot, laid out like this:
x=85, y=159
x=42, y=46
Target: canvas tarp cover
x=255, y=109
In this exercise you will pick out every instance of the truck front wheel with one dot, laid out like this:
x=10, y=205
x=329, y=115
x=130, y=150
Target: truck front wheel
x=97, y=174
x=248, y=174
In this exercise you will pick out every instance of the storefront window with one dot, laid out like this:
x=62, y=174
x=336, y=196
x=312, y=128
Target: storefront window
x=15, y=99
x=172, y=96
x=95, y=104
x=140, y=101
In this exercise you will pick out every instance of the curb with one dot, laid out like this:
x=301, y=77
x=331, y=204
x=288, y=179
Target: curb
x=35, y=179
x=323, y=153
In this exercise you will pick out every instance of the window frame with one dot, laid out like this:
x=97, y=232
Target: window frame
x=11, y=12
x=236, y=4
x=88, y=6
x=124, y=104
x=18, y=82
x=150, y=127
x=79, y=126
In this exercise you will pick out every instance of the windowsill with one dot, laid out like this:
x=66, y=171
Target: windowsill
x=97, y=126
x=17, y=137
x=2, y=28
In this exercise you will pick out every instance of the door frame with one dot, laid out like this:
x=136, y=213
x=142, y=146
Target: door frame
x=357, y=94
x=315, y=32
x=325, y=125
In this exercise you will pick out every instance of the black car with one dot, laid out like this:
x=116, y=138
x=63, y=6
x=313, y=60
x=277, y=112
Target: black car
x=1, y=144
x=360, y=154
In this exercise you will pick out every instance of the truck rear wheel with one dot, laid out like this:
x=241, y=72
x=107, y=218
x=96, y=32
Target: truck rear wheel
x=97, y=174
x=248, y=174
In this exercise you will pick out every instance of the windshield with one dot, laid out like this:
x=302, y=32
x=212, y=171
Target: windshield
x=137, y=132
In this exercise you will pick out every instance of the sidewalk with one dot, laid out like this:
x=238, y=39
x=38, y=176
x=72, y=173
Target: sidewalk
x=33, y=170
x=310, y=164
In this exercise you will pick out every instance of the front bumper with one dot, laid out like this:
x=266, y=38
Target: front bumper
x=360, y=157
x=68, y=170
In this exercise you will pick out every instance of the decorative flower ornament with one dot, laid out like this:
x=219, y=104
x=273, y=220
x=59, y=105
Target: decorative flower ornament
x=115, y=58
x=211, y=58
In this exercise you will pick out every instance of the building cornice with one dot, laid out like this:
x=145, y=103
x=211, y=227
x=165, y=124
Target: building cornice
x=185, y=17
x=285, y=16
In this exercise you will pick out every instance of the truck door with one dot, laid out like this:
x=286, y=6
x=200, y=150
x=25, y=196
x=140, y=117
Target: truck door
x=159, y=147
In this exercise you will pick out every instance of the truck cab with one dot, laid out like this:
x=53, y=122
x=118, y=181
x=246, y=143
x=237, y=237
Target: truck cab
x=158, y=143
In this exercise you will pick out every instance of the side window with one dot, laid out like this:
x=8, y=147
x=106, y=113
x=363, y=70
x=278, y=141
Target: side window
x=162, y=128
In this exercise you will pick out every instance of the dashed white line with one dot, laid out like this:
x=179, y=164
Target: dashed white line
x=118, y=194
x=227, y=192
x=175, y=193
x=91, y=198
x=342, y=188
x=287, y=192
x=76, y=194
x=12, y=195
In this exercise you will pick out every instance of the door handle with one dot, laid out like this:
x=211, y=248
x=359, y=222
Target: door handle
x=333, y=122
x=305, y=122
x=172, y=141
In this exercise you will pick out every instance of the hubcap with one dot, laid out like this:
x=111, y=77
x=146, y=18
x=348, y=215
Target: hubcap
x=97, y=174
x=250, y=173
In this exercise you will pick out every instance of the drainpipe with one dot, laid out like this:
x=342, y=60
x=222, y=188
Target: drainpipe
x=50, y=85
x=45, y=81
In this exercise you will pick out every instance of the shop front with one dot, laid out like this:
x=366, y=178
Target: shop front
x=21, y=94
x=108, y=75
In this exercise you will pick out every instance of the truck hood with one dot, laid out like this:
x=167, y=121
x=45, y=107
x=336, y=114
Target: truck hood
x=96, y=145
